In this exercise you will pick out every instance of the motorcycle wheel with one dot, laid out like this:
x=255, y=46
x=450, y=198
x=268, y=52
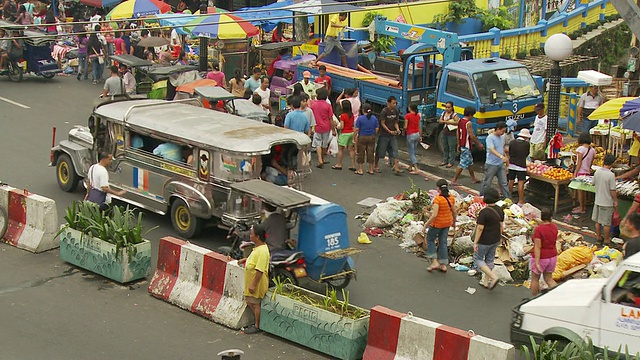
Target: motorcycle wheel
x=15, y=72
x=283, y=276
x=48, y=76
x=340, y=283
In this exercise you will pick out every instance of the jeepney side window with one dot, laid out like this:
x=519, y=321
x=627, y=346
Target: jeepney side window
x=100, y=133
x=459, y=85
x=116, y=133
x=242, y=204
x=627, y=289
x=235, y=167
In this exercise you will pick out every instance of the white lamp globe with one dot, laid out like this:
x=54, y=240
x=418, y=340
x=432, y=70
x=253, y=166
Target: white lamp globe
x=558, y=47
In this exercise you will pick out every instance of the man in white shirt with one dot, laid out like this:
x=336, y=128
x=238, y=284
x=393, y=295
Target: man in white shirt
x=98, y=190
x=539, y=135
x=265, y=93
x=128, y=79
x=589, y=101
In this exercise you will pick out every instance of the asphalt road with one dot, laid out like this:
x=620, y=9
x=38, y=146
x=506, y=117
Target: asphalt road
x=51, y=309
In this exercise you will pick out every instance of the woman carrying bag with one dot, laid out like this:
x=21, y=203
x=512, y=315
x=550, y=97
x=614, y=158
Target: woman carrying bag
x=95, y=53
x=487, y=237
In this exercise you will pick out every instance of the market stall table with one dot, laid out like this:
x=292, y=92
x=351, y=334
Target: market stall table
x=624, y=203
x=556, y=185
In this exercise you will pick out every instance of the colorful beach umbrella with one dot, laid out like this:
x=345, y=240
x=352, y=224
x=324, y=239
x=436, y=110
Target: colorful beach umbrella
x=221, y=26
x=137, y=9
x=616, y=108
x=100, y=3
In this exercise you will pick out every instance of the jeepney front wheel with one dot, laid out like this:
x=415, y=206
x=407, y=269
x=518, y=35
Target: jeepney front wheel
x=66, y=173
x=184, y=222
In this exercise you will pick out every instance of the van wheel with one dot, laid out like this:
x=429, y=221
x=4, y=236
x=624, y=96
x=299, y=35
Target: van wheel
x=66, y=173
x=183, y=221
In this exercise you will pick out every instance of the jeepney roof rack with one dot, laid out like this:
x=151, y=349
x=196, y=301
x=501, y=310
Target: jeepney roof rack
x=193, y=102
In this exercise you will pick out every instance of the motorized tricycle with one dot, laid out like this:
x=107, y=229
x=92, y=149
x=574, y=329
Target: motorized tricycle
x=316, y=227
x=221, y=99
x=36, y=55
x=139, y=67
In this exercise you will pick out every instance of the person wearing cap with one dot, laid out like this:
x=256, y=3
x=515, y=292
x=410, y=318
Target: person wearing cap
x=518, y=151
x=253, y=82
x=308, y=86
x=494, y=164
x=509, y=136
x=538, y=137
x=256, y=275
x=589, y=101
x=337, y=22
x=606, y=200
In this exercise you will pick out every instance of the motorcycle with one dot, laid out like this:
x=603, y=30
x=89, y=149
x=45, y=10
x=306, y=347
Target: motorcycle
x=285, y=265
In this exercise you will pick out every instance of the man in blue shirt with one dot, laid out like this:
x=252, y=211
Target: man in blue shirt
x=169, y=151
x=297, y=120
x=494, y=164
x=253, y=82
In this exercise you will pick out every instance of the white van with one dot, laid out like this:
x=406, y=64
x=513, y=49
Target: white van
x=605, y=310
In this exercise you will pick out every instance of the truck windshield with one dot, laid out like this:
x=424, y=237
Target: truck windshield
x=509, y=84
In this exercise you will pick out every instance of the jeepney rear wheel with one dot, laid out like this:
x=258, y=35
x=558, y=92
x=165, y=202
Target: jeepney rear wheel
x=184, y=222
x=66, y=173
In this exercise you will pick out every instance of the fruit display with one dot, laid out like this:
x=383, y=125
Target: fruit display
x=558, y=174
x=619, y=130
x=538, y=168
x=570, y=147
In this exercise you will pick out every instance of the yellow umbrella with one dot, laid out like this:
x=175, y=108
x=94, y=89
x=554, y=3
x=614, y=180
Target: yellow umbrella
x=611, y=109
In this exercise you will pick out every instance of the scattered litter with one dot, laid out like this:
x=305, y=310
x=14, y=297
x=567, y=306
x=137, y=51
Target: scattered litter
x=470, y=290
x=472, y=272
x=364, y=239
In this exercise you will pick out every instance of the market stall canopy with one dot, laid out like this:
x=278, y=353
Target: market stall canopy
x=131, y=61
x=221, y=26
x=158, y=73
x=176, y=21
x=269, y=16
x=214, y=93
x=190, y=87
x=137, y=9
x=100, y=3
x=632, y=122
x=153, y=41
x=34, y=37
x=616, y=108
x=319, y=7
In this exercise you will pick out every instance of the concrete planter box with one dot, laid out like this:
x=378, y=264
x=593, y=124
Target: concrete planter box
x=314, y=327
x=99, y=256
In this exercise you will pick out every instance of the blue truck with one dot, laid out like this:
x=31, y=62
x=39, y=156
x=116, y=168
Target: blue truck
x=436, y=69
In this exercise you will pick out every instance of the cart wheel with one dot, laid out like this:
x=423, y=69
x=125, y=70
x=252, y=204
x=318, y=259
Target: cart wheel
x=15, y=72
x=339, y=283
x=49, y=76
x=66, y=173
x=183, y=221
x=283, y=277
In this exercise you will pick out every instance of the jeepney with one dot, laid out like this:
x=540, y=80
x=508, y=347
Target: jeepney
x=216, y=150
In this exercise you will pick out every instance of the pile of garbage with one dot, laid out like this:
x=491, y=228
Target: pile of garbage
x=402, y=217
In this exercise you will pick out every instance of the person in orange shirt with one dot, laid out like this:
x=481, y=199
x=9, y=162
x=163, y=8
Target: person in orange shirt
x=443, y=216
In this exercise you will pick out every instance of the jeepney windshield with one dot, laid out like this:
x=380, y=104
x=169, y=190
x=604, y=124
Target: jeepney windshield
x=509, y=84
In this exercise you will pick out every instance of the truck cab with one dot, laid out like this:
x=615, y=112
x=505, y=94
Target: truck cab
x=605, y=310
x=498, y=89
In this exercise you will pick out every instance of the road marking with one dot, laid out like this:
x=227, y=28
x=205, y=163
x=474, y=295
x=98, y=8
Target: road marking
x=14, y=103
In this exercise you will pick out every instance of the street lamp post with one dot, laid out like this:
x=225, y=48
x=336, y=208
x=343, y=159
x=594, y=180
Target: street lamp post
x=558, y=47
x=204, y=42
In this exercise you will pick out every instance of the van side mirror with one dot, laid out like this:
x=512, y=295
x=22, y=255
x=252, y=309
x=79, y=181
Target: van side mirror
x=493, y=96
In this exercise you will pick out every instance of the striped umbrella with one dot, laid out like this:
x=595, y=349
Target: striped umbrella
x=137, y=9
x=221, y=26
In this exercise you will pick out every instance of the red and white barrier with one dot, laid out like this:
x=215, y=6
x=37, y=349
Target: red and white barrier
x=32, y=220
x=398, y=336
x=201, y=281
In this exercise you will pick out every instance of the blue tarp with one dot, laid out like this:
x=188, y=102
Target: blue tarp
x=271, y=12
x=175, y=20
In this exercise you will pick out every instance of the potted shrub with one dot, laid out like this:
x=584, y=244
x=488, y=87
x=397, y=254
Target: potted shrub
x=320, y=322
x=382, y=43
x=463, y=18
x=108, y=245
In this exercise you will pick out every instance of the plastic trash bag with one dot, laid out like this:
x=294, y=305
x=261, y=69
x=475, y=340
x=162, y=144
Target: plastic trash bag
x=410, y=233
x=502, y=273
x=570, y=258
x=333, y=146
x=387, y=213
x=607, y=269
x=516, y=246
x=608, y=253
x=462, y=245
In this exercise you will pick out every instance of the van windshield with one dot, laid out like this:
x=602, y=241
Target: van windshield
x=509, y=84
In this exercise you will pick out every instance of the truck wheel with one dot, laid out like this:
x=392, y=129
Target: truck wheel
x=66, y=173
x=186, y=224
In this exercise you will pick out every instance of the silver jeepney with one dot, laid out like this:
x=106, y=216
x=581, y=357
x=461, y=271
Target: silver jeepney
x=224, y=149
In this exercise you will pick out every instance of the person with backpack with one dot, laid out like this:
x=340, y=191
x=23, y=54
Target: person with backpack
x=443, y=216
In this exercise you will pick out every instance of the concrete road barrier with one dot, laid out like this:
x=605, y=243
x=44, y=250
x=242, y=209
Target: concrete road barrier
x=398, y=336
x=32, y=220
x=201, y=281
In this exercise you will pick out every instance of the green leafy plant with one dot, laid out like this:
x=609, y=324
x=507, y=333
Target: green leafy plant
x=382, y=43
x=556, y=350
x=458, y=11
x=498, y=17
x=329, y=302
x=121, y=227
